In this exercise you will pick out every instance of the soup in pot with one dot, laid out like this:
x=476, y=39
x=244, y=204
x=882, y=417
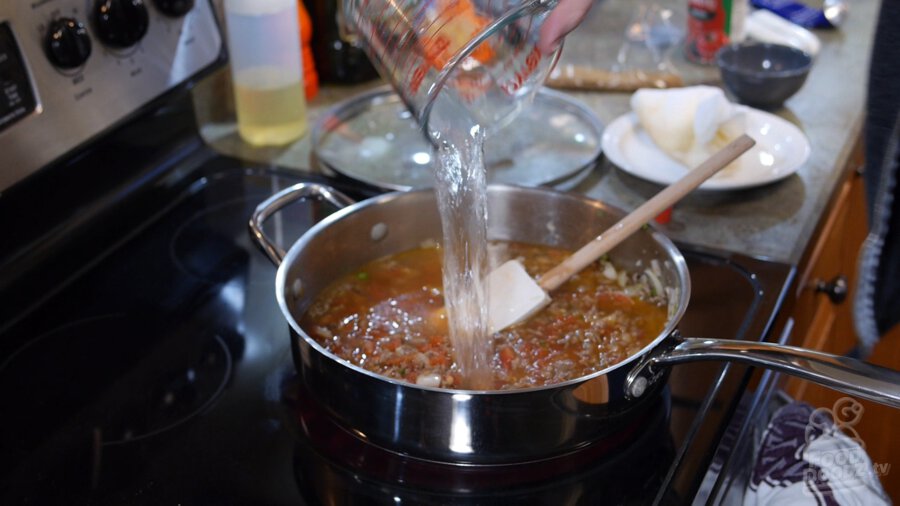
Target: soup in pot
x=387, y=317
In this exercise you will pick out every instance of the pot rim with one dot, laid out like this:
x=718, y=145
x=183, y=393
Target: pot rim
x=281, y=282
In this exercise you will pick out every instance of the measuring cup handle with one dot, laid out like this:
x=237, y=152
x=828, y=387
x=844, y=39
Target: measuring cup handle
x=287, y=196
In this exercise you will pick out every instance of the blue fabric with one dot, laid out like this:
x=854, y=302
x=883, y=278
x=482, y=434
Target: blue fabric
x=877, y=304
x=795, y=12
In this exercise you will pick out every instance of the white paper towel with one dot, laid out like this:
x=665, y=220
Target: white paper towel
x=689, y=124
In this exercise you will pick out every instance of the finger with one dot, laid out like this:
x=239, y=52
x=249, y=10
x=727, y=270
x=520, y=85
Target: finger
x=562, y=20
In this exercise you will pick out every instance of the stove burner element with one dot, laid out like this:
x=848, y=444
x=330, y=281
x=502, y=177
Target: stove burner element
x=204, y=246
x=184, y=394
x=213, y=245
x=112, y=379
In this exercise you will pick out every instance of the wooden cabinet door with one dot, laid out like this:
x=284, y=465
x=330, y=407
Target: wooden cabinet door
x=822, y=324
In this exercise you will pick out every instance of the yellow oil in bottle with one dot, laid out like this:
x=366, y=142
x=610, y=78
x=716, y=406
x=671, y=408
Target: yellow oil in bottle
x=270, y=106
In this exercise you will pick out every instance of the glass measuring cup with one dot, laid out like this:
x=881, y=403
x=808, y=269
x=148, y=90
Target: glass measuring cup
x=455, y=60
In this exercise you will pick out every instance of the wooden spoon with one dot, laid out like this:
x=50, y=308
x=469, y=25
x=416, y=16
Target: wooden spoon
x=513, y=296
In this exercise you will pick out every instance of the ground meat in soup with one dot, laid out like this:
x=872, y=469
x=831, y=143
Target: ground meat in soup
x=387, y=317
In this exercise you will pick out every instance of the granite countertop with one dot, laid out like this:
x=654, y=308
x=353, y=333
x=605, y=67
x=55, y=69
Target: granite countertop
x=775, y=221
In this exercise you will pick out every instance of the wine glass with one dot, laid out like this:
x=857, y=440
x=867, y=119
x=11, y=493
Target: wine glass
x=650, y=36
x=662, y=34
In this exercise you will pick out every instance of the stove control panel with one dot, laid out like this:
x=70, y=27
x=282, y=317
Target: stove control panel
x=73, y=69
x=16, y=94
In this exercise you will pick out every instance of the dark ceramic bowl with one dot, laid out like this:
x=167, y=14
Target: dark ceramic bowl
x=763, y=75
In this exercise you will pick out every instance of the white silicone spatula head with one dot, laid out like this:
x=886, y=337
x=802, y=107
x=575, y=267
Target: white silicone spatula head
x=513, y=296
x=521, y=296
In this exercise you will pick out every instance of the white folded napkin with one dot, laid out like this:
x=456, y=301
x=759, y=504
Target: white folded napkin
x=766, y=26
x=689, y=124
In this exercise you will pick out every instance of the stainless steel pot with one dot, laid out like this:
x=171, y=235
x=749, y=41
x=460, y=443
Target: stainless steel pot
x=495, y=427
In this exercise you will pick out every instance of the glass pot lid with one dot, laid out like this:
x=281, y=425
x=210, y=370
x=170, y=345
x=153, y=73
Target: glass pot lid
x=374, y=139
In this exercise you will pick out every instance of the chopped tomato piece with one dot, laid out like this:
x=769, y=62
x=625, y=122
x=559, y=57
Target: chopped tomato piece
x=439, y=359
x=507, y=355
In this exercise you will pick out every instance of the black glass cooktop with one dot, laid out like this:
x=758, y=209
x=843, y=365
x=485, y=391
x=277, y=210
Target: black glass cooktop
x=160, y=372
x=143, y=358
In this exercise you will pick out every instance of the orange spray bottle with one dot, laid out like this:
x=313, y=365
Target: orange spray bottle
x=310, y=77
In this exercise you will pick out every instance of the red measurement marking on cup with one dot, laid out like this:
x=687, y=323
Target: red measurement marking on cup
x=532, y=60
x=419, y=68
x=436, y=47
x=418, y=76
x=438, y=29
x=416, y=69
x=435, y=44
x=405, y=45
x=434, y=50
x=372, y=32
x=404, y=49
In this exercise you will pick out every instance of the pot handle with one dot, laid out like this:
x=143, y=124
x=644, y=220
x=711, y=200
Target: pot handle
x=844, y=374
x=276, y=202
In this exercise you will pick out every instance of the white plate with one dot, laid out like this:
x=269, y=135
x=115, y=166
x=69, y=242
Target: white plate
x=781, y=149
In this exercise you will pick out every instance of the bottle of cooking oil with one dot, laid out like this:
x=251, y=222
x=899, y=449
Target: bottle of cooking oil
x=266, y=70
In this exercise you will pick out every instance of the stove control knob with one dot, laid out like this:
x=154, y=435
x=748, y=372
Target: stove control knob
x=174, y=8
x=121, y=23
x=68, y=44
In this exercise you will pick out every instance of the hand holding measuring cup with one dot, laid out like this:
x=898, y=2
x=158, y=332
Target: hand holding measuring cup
x=564, y=18
x=448, y=59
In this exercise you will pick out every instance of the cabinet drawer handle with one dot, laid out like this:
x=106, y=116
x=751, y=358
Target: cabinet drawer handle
x=836, y=289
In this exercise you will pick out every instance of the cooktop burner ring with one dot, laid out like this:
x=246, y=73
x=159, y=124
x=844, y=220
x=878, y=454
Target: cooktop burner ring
x=210, y=400
x=214, y=256
x=115, y=376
